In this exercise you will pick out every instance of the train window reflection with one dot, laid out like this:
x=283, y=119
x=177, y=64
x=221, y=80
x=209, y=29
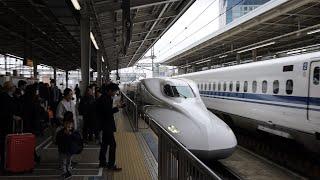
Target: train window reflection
x=214, y=86
x=201, y=87
x=219, y=86
x=276, y=87
x=178, y=91
x=289, y=86
x=210, y=87
x=224, y=86
x=316, y=75
x=205, y=87
x=238, y=86
x=264, y=86
x=254, y=86
x=230, y=86
x=245, y=86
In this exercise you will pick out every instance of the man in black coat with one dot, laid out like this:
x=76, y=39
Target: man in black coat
x=105, y=111
x=8, y=114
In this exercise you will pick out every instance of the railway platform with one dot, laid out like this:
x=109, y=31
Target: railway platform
x=133, y=156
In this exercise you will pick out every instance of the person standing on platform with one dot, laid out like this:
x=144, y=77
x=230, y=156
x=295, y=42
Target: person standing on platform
x=8, y=114
x=54, y=99
x=65, y=105
x=105, y=111
x=86, y=109
x=77, y=92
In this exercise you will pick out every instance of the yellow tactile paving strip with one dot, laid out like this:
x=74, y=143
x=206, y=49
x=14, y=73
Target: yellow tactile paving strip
x=130, y=158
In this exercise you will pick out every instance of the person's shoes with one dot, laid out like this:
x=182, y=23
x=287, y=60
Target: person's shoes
x=67, y=175
x=114, y=168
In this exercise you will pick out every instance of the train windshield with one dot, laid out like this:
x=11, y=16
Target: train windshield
x=178, y=91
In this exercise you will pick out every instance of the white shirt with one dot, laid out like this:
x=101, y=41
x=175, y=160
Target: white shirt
x=65, y=106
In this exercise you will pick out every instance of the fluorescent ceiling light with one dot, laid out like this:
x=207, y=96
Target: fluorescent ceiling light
x=223, y=56
x=203, y=61
x=314, y=31
x=185, y=66
x=256, y=47
x=76, y=4
x=296, y=51
x=93, y=41
x=102, y=59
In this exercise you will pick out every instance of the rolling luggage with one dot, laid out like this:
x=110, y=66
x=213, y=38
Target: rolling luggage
x=20, y=152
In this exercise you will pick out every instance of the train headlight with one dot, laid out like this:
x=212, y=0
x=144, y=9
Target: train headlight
x=173, y=129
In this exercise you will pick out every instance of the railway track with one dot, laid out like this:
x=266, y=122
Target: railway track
x=224, y=171
x=282, y=152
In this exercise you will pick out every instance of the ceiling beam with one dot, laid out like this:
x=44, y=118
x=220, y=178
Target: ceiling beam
x=104, y=6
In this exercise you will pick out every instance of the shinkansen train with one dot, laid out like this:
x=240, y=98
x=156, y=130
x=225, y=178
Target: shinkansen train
x=279, y=96
x=175, y=104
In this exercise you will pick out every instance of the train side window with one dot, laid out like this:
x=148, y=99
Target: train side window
x=254, y=86
x=219, y=86
x=238, y=86
x=264, y=86
x=205, y=87
x=289, y=86
x=224, y=86
x=275, y=86
x=214, y=86
x=201, y=87
x=230, y=86
x=210, y=87
x=245, y=86
x=198, y=86
x=316, y=75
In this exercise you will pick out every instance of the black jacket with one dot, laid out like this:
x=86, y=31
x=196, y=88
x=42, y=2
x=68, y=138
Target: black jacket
x=105, y=113
x=87, y=109
x=8, y=108
x=63, y=141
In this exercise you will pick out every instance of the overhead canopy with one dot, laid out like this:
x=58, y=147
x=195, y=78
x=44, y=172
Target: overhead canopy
x=49, y=30
x=44, y=30
x=150, y=20
x=272, y=28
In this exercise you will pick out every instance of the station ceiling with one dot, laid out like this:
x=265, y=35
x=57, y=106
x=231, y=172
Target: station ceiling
x=49, y=30
x=275, y=27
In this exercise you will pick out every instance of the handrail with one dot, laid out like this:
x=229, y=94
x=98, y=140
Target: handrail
x=134, y=121
x=182, y=163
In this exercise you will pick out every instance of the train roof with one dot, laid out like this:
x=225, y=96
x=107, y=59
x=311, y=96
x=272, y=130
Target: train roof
x=283, y=60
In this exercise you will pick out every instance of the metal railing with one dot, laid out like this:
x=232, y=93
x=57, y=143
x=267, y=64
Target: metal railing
x=176, y=161
x=131, y=110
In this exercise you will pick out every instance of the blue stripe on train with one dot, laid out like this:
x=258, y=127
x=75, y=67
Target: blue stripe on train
x=264, y=97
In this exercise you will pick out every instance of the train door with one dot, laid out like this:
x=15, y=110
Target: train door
x=314, y=95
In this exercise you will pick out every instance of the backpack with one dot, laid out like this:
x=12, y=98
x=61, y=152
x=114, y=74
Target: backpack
x=76, y=146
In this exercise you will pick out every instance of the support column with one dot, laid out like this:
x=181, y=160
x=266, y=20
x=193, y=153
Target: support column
x=180, y=70
x=67, y=78
x=193, y=68
x=35, y=69
x=99, y=63
x=85, y=48
x=103, y=72
x=55, y=74
x=254, y=55
x=238, y=58
x=209, y=64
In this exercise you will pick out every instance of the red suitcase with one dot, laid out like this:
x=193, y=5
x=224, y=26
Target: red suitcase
x=20, y=152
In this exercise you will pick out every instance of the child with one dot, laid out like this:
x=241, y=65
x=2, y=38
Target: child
x=64, y=139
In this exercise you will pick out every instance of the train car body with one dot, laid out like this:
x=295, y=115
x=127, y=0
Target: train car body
x=279, y=96
x=176, y=105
